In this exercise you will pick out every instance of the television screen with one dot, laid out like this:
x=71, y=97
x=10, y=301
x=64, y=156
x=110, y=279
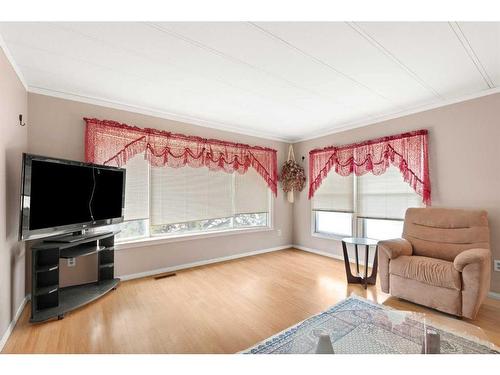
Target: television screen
x=60, y=196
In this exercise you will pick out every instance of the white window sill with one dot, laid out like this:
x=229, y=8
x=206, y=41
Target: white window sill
x=158, y=240
x=327, y=236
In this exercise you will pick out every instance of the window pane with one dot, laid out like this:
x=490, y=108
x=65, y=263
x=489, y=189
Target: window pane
x=130, y=230
x=382, y=229
x=250, y=220
x=339, y=223
x=238, y=221
x=192, y=226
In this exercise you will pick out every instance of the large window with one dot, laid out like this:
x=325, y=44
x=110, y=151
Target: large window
x=162, y=202
x=369, y=206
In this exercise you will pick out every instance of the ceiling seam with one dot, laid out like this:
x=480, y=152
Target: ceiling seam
x=464, y=41
x=77, y=59
x=139, y=55
x=234, y=59
x=318, y=61
x=386, y=52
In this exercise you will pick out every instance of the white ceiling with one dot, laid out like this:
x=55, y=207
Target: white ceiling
x=283, y=80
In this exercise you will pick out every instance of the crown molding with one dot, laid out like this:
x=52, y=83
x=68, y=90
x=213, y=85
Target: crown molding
x=152, y=112
x=13, y=63
x=395, y=115
x=225, y=127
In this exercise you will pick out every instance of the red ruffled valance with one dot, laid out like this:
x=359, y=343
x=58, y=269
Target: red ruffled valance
x=408, y=152
x=111, y=143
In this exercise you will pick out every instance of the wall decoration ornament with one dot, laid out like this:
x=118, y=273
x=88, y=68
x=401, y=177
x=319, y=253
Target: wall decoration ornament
x=112, y=143
x=292, y=177
x=408, y=152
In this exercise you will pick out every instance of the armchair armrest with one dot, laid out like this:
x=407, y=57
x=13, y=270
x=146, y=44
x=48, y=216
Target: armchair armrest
x=475, y=266
x=396, y=247
x=471, y=256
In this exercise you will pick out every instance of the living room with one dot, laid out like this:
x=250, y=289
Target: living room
x=201, y=187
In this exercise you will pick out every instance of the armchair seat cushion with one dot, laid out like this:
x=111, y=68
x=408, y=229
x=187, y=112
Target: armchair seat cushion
x=430, y=271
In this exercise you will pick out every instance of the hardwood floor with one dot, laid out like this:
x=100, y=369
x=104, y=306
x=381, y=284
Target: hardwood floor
x=218, y=308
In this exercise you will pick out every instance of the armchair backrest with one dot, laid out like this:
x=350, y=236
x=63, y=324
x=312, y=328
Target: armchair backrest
x=443, y=233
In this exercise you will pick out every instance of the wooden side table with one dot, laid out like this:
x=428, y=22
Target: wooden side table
x=359, y=279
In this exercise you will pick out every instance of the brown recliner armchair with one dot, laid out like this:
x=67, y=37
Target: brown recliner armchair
x=443, y=260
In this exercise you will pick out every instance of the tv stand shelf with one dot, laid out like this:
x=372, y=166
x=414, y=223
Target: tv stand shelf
x=50, y=300
x=47, y=268
x=73, y=297
x=80, y=251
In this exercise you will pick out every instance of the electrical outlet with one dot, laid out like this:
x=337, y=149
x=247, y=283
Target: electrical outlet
x=71, y=262
x=279, y=232
x=496, y=265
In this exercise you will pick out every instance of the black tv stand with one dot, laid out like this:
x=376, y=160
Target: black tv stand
x=75, y=237
x=48, y=299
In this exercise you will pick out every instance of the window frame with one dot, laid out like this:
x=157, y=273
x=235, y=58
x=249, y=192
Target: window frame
x=358, y=229
x=152, y=239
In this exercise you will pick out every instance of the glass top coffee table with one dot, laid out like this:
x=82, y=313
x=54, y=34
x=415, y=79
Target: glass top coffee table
x=359, y=278
x=358, y=326
x=383, y=331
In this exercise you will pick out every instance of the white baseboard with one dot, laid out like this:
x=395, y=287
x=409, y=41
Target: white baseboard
x=12, y=324
x=326, y=254
x=319, y=252
x=200, y=263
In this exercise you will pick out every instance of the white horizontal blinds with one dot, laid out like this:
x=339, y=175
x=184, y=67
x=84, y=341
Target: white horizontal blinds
x=251, y=193
x=335, y=194
x=186, y=194
x=137, y=188
x=385, y=196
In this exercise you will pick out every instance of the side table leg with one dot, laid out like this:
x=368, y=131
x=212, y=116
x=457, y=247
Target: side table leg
x=373, y=276
x=366, y=266
x=357, y=259
x=350, y=277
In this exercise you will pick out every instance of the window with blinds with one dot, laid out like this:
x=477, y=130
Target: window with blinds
x=179, y=195
x=167, y=201
x=333, y=205
x=137, y=189
x=335, y=194
x=251, y=193
x=370, y=206
x=386, y=196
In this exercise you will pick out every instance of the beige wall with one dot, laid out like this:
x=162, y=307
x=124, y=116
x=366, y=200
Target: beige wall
x=57, y=129
x=464, y=139
x=13, y=142
x=464, y=164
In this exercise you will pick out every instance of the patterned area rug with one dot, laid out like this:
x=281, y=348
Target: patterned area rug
x=356, y=325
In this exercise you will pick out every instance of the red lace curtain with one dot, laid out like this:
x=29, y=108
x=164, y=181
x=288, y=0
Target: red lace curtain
x=408, y=152
x=112, y=143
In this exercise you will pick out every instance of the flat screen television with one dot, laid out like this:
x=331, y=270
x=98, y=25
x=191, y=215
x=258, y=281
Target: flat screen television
x=62, y=196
